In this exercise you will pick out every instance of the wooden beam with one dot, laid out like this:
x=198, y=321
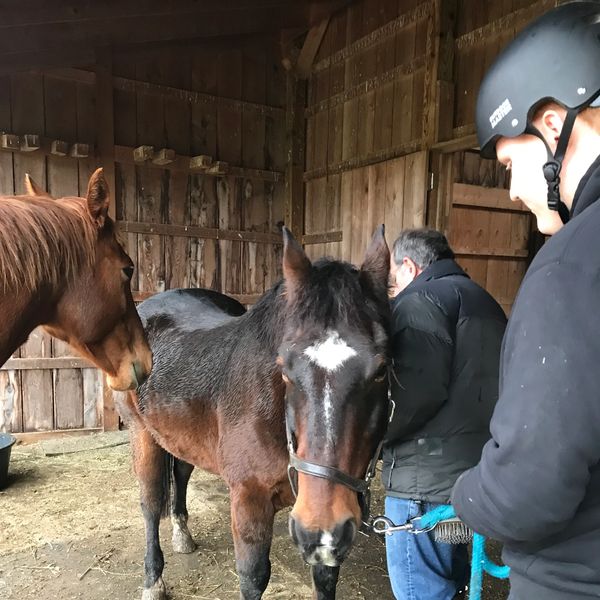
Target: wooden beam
x=495, y=252
x=485, y=197
x=143, y=87
x=439, y=86
x=32, y=437
x=117, y=24
x=370, y=159
x=458, y=143
x=295, y=152
x=207, y=233
x=322, y=238
x=125, y=155
x=61, y=362
x=311, y=46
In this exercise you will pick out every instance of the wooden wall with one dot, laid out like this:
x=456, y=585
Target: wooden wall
x=390, y=114
x=43, y=388
x=183, y=227
x=380, y=132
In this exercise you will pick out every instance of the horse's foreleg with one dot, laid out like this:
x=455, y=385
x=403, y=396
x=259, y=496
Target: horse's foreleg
x=252, y=515
x=182, y=539
x=324, y=582
x=150, y=464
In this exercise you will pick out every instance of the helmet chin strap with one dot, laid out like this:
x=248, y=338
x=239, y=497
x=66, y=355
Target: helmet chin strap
x=553, y=167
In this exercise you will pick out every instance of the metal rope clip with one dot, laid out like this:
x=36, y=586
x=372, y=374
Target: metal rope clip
x=384, y=526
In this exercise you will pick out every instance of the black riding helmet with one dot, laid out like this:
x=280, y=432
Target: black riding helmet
x=555, y=58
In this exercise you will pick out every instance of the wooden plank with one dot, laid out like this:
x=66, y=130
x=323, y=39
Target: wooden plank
x=371, y=159
x=360, y=195
x=254, y=204
x=33, y=437
x=482, y=251
x=242, y=298
x=275, y=159
x=376, y=199
x=485, y=197
x=415, y=190
x=151, y=183
x=403, y=88
x=351, y=79
x=346, y=218
x=176, y=71
x=196, y=97
x=203, y=268
x=27, y=93
x=54, y=362
x=322, y=238
x=294, y=196
x=394, y=199
x=166, y=229
x=106, y=121
x=60, y=99
x=181, y=163
x=384, y=94
x=309, y=50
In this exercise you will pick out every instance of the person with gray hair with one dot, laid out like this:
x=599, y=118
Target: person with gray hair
x=446, y=338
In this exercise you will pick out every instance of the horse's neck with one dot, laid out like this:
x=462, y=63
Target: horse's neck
x=22, y=311
x=263, y=323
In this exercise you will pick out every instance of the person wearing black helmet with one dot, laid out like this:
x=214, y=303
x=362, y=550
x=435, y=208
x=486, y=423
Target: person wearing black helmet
x=537, y=485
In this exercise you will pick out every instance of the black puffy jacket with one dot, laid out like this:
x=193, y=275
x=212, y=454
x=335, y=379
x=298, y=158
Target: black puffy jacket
x=447, y=332
x=537, y=487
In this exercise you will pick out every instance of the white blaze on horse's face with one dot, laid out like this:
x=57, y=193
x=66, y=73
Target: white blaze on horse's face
x=331, y=353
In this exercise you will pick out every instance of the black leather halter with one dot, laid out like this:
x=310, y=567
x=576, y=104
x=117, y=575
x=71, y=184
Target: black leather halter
x=360, y=486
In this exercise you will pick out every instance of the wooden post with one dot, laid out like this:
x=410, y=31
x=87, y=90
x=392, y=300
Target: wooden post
x=105, y=135
x=295, y=152
x=439, y=86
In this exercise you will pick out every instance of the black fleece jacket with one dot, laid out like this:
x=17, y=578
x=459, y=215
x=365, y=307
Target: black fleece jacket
x=537, y=486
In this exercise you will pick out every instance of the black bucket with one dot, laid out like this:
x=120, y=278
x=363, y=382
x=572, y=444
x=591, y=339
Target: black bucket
x=6, y=443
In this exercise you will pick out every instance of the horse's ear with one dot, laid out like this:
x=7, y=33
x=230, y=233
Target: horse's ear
x=296, y=266
x=376, y=265
x=33, y=189
x=98, y=198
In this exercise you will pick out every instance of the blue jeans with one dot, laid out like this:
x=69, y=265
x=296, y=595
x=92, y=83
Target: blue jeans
x=419, y=567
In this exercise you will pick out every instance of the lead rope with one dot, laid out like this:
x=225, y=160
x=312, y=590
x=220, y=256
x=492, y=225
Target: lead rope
x=448, y=528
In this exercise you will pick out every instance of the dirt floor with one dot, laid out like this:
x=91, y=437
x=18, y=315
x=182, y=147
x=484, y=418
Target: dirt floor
x=71, y=528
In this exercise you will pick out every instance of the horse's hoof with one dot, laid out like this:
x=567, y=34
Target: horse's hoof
x=182, y=539
x=183, y=542
x=157, y=592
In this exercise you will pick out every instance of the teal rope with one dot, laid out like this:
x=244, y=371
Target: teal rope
x=480, y=561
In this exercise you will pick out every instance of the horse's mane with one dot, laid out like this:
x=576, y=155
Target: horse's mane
x=43, y=241
x=335, y=294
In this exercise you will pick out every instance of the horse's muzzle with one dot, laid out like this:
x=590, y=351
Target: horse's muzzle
x=329, y=548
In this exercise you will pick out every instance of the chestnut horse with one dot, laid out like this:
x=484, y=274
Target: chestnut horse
x=309, y=357
x=62, y=267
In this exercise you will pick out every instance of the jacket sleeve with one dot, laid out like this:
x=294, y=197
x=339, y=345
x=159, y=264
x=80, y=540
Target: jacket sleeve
x=534, y=471
x=422, y=351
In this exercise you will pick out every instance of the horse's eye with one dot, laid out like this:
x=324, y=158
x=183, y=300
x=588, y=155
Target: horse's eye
x=128, y=271
x=381, y=374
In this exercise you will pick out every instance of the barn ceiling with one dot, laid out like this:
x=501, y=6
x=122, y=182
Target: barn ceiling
x=39, y=33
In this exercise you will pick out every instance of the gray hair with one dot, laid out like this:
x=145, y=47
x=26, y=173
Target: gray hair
x=422, y=246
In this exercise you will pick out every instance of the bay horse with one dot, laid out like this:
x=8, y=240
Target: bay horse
x=62, y=267
x=299, y=378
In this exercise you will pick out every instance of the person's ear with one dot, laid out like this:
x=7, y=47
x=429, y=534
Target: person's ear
x=550, y=125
